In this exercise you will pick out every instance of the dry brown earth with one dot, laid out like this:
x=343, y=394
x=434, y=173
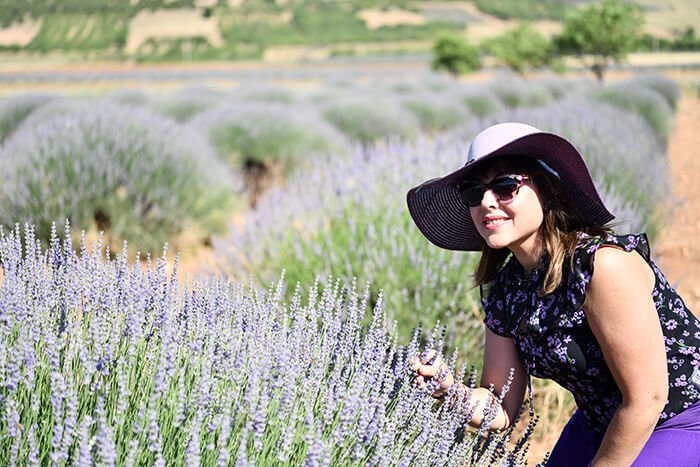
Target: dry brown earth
x=678, y=248
x=20, y=33
x=171, y=24
x=375, y=19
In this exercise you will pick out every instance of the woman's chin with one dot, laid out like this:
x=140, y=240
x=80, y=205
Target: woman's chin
x=495, y=242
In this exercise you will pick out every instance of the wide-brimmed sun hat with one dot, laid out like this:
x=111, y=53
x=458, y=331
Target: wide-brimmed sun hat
x=436, y=205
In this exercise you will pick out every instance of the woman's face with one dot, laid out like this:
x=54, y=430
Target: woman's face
x=511, y=223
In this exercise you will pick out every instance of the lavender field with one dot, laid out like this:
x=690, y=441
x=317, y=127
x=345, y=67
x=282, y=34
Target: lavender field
x=292, y=349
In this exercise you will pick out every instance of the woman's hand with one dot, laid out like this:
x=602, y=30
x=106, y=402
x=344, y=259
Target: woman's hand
x=430, y=366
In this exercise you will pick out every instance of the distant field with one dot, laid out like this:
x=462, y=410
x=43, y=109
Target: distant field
x=171, y=24
x=664, y=17
x=287, y=29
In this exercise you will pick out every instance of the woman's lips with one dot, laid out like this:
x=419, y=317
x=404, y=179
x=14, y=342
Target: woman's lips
x=494, y=222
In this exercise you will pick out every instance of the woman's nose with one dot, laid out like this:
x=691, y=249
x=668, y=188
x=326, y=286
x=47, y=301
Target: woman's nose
x=489, y=199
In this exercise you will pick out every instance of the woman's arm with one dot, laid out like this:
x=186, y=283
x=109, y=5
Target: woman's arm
x=624, y=320
x=500, y=357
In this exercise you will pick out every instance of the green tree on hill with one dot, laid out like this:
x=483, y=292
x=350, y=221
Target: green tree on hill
x=601, y=34
x=455, y=55
x=522, y=49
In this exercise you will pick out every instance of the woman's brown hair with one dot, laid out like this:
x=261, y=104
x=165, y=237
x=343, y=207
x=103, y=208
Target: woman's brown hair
x=560, y=228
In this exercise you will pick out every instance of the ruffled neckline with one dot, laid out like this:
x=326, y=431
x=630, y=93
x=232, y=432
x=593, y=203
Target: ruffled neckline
x=535, y=274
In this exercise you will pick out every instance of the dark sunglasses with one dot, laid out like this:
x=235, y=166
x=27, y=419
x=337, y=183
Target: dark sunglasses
x=505, y=188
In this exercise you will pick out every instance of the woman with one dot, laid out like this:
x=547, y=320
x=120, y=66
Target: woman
x=565, y=299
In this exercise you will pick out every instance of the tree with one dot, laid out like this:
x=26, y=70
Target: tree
x=454, y=54
x=686, y=40
x=601, y=34
x=522, y=49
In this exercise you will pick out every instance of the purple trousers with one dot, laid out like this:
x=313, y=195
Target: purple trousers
x=676, y=442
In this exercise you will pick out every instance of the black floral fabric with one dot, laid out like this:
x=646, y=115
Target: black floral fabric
x=554, y=341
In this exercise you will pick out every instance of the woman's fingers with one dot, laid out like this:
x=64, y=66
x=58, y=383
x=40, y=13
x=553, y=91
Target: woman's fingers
x=428, y=364
x=431, y=365
x=414, y=363
x=428, y=357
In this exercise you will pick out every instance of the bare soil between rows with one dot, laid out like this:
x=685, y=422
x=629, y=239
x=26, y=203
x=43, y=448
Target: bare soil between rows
x=678, y=248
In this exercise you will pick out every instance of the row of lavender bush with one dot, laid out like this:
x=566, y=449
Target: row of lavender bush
x=132, y=148
x=107, y=363
x=119, y=169
x=148, y=167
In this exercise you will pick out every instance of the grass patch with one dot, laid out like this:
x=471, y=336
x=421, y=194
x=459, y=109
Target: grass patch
x=80, y=32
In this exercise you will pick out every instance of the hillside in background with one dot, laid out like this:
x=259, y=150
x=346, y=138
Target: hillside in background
x=162, y=30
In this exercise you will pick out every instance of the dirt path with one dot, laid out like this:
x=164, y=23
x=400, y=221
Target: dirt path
x=678, y=248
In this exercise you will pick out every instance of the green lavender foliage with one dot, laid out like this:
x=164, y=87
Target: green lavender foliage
x=130, y=96
x=354, y=223
x=369, y=119
x=268, y=133
x=62, y=106
x=436, y=113
x=481, y=101
x=186, y=103
x=517, y=94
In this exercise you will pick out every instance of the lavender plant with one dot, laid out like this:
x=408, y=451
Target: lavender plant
x=666, y=87
x=369, y=119
x=14, y=109
x=109, y=363
x=62, y=106
x=265, y=93
x=267, y=133
x=645, y=102
x=186, y=103
x=435, y=113
x=518, y=94
x=354, y=223
x=118, y=169
x=129, y=96
x=480, y=102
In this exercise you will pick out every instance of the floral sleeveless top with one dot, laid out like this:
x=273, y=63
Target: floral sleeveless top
x=554, y=341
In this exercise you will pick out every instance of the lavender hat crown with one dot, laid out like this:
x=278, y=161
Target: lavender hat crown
x=494, y=137
x=436, y=206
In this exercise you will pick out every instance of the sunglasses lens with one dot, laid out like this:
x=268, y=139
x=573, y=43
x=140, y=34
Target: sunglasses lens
x=472, y=193
x=505, y=188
